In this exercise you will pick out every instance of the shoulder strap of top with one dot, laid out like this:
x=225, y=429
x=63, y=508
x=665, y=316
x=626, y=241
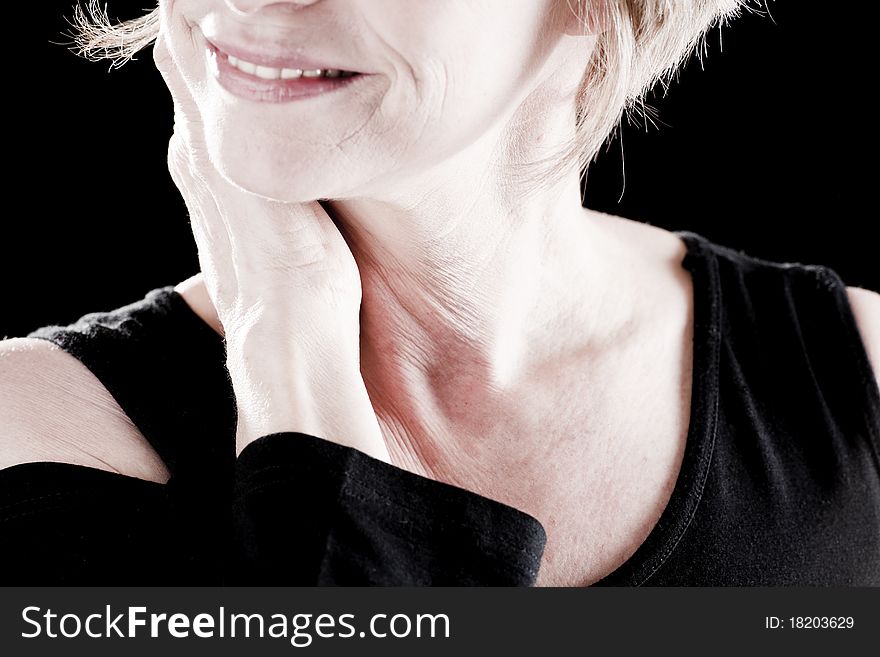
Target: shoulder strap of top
x=853, y=361
x=166, y=369
x=792, y=341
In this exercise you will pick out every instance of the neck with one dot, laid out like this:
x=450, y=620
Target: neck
x=468, y=294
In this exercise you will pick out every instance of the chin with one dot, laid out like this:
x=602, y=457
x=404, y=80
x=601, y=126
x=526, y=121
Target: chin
x=270, y=186
x=296, y=173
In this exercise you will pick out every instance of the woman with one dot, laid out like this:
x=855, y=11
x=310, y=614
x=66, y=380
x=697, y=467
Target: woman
x=413, y=357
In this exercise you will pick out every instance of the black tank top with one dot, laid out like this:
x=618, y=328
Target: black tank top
x=779, y=484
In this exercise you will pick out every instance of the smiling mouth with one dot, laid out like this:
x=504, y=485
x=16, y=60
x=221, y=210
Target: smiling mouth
x=273, y=67
x=264, y=83
x=271, y=73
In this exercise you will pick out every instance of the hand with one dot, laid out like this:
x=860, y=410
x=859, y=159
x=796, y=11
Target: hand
x=286, y=290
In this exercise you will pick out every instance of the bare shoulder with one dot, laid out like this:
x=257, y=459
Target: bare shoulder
x=664, y=247
x=865, y=305
x=652, y=242
x=53, y=408
x=196, y=296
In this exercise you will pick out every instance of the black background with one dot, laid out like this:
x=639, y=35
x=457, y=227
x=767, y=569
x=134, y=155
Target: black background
x=764, y=148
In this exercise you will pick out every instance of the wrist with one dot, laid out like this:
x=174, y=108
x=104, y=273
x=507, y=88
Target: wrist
x=306, y=391
x=304, y=334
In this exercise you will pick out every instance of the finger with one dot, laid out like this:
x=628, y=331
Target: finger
x=298, y=239
x=213, y=241
x=169, y=68
x=188, y=160
x=197, y=195
x=187, y=118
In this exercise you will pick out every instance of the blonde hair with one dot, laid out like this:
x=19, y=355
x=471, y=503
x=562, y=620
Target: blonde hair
x=639, y=42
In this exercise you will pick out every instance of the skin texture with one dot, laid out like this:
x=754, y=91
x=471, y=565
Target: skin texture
x=427, y=310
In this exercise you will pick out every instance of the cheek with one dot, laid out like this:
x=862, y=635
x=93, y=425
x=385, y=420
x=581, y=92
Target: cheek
x=450, y=105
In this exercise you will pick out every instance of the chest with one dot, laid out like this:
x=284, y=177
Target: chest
x=594, y=453
x=606, y=516
x=597, y=488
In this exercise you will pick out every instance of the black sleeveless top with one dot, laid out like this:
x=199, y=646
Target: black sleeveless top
x=779, y=484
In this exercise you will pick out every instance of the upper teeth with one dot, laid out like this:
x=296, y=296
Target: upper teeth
x=269, y=73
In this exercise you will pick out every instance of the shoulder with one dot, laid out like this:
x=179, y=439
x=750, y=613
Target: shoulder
x=53, y=408
x=807, y=289
x=865, y=306
x=770, y=281
x=195, y=294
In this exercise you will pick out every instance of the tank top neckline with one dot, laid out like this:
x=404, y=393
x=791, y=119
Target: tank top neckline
x=701, y=262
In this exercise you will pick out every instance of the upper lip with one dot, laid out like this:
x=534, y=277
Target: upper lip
x=274, y=60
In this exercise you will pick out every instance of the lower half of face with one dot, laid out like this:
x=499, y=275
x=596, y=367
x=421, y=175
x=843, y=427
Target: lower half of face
x=301, y=101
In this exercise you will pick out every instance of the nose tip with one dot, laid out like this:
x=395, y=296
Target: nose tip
x=251, y=6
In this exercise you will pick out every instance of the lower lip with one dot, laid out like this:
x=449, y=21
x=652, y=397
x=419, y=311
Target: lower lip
x=250, y=87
